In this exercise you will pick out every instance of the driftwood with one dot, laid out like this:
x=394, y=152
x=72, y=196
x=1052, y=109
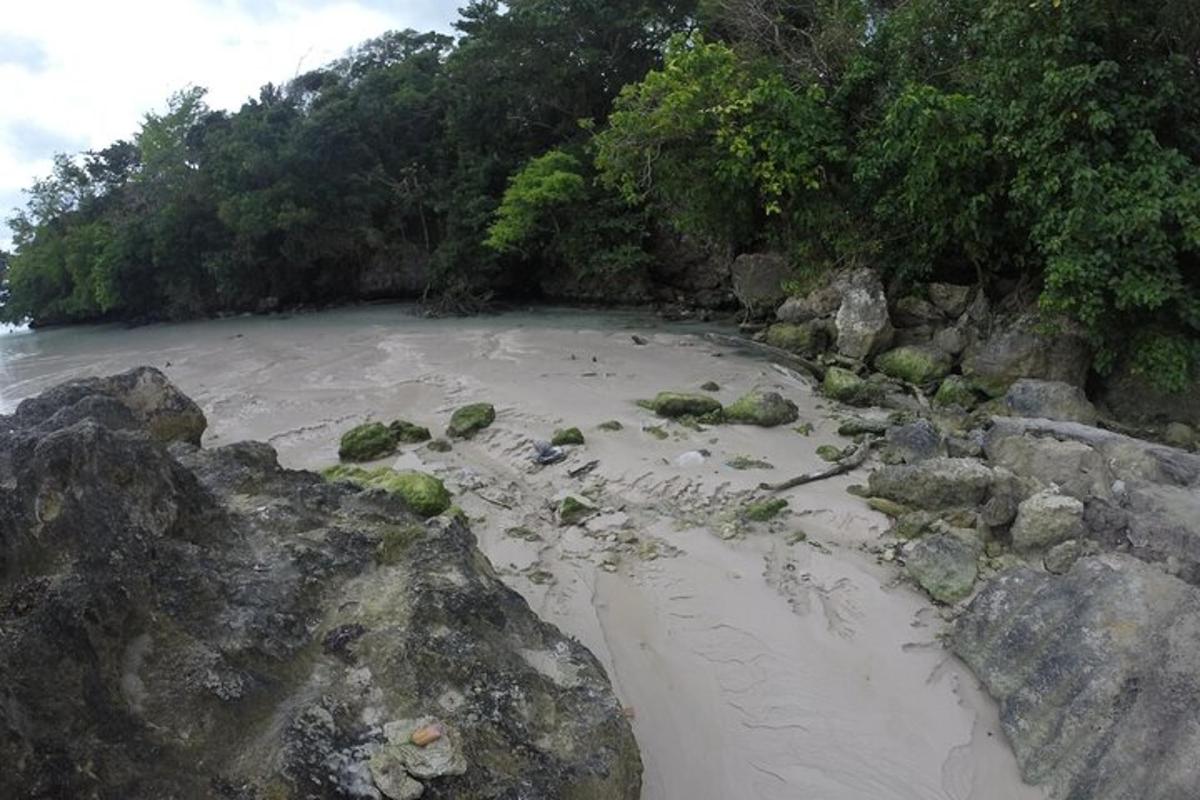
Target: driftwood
x=788, y=358
x=579, y=472
x=850, y=462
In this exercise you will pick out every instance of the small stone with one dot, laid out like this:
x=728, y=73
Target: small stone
x=859, y=427
x=439, y=446
x=889, y=507
x=679, y=404
x=710, y=386
x=565, y=436
x=572, y=511
x=611, y=426
x=829, y=452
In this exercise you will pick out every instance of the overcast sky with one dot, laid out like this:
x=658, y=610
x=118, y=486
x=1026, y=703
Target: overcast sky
x=79, y=74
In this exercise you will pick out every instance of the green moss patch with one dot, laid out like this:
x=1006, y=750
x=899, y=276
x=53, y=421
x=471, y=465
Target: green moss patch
x=409, y=433
x=424, y=494
x=764, y=510
x=919, y=365
x=572, y=511
x=846, y=387
x=955, y=391
x=767, y=409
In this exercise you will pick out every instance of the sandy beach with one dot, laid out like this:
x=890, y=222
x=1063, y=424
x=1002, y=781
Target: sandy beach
x=770, y=660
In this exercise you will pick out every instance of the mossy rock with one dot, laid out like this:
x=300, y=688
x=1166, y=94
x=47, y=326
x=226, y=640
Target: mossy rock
x=611, y=425
x=764, y=510
x=396, y=541
x=439, y=446
x=469, y=420
x=408, y=433
x=679, y=404
x=567, y=436
x=889, y=507
x=805, y=338
x=915, y=364
x=367, y=442
x=862, y=427
x=955, y=391
x=844, y=386
x=657, y=432
x=424, y=494
x=572, y=511
x=766, y=409
x=829, y=452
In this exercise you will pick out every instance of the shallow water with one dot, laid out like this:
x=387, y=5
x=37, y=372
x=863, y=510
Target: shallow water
x=753, y=664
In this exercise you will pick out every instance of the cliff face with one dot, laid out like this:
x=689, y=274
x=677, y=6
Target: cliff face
x=182, y=622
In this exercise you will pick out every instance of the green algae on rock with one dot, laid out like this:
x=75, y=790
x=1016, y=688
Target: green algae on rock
x=439, y=446
x=843, y=385
x=572, y=511
x=766, y=409
x=764, y=510
x=915, y=364
x=368, y=442
x=955, y=390
x=469, y=420
x=681, y=404
x=567, y=436
x=424, y=494
x=944, y=565
x=611, y=425
x=409, y=433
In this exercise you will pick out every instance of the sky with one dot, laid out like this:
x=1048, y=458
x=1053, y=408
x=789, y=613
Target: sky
x=78, y=74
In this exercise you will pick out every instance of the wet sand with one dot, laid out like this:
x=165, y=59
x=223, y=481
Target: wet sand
x=755, y=662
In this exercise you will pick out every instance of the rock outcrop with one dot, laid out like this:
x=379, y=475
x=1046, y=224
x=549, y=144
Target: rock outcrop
x=1019, y=349
x=190, y=623
x=1097, y=673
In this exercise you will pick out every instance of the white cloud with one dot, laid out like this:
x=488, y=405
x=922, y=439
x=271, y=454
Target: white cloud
x=86, y=72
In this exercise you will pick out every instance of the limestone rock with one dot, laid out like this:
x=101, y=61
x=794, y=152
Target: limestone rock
x=1097, y=674
x=141, y=398
x=937, y=483
x=1030, y=397
x=944, y=565
x=863, y=325
x=211, y=609
x=1075, y=468
x=1046, y=519
x=767, y=409
x=915, y=364
x=1020, y=349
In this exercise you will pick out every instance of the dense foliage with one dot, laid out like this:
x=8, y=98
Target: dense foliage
x=1048, y=149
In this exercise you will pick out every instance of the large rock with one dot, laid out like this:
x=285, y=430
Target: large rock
x=1129, y=395
x=1077, y=469
x=913, y=442
x=949, y=298
x=935, y=484
x=1046, y=519
x=915, y=364
x=1097, y=674
x=863, y=325
x=944, y=565
x=192, y=623
x=141, y=398
x=1030, y=397
x=817, y=304
x=688, y=270
x=1021, y=349
x=768, y=409
x=758, y=280
x=805, y=338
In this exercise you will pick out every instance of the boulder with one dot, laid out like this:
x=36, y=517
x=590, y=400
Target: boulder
x=944, y=565
x=141, y=398
x=846, y=387
x=196, y=623
x=911, y=312
x=1021, y=349
x=916, y=441
x=1030, y=397
x=1075, y=468
x=1046, y=519
x=937, y=483
x=950, y=299
x=682, y=404
x=806, y=338
x=863, y=325
x=817, y=304
x=767, y=409
x=758, y=280
x=370, y=441
x=915, y=364
x=469, y=420
x=1130, y=396
x=1097, y=673
x=955, y=390
x=687, y=269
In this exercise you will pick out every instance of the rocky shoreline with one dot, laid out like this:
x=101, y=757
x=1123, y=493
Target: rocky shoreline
x=186, y=622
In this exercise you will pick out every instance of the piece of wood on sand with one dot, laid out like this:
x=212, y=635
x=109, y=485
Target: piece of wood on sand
x=850, y=462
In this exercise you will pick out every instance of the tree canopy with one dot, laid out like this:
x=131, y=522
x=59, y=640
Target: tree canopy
x=1051, y=147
